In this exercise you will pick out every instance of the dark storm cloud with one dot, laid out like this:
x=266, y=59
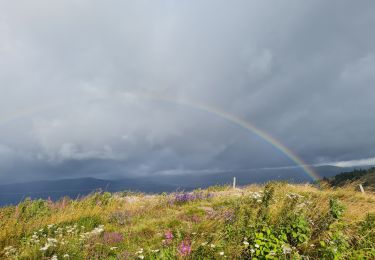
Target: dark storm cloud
x=71, y=75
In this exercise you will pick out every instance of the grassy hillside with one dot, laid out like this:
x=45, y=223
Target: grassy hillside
x=278, y=220
x=366, y=177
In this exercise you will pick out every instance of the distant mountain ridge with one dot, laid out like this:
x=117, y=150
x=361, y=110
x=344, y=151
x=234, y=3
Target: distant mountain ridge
x=55, y=189
x=73, y=188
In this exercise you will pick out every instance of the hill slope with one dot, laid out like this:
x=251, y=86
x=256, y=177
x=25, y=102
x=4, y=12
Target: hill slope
x=278, y=220
x=366, y=177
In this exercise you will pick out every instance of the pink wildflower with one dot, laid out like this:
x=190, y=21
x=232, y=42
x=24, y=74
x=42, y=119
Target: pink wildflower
x=185, y=248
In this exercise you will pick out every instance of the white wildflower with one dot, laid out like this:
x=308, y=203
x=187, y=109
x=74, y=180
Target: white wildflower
x=45, y=248
x=221, y=253
x=98, y=230
x=140, y=251
x=9, y=250
x=51, y=240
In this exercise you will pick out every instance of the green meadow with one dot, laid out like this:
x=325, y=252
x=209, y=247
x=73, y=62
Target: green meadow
x=272, y=221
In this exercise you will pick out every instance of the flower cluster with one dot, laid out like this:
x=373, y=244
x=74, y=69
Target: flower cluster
x=185, y=248
x=184, y=197
x=51, y=242
x=228, y=215
x=294, y=196
x=112, y=237
x=9, y=250
x=139, y=253
x=168, y=237
x=257, y=196
x=96, y=231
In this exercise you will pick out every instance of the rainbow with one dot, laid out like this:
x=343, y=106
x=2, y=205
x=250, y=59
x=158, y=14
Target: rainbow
x=202, y=107
x=241, y=123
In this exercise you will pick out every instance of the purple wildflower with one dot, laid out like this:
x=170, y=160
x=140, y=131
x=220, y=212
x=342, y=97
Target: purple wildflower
x=112, y=237
x=184, y=197
x=185, y=248
x=168, y=237
x=228, y=215
x=195, y=219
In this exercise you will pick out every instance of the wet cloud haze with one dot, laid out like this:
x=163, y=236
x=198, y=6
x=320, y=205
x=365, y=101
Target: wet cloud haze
x=115, y=89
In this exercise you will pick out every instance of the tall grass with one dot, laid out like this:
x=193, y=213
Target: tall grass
x=277, y=220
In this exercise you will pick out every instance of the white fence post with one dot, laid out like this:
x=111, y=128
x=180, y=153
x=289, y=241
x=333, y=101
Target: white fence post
x=362, y=189
x=234, y=182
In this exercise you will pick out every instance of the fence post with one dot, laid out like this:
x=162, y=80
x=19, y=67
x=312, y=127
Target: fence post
x=361, y=188
x=234, y=182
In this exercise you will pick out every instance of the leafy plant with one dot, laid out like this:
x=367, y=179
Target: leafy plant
x=336, y=208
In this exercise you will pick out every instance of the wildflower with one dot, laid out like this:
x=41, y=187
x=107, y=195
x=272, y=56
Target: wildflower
x=9, y=250
x=155, y=251
x=54, y=257
x=112, y=237
x=98, y=230
x=221, y=253
x=113, y=248
x=212, y=246
x=141, y=257
x=168, y=237
x=245, y=243
x=256, y=245
x=45, y=247
x=51, y=240
x=139, y=252
x=185, y=248
x=66, y=256
x=204, y=243
x=252, y=251
x=294, y=196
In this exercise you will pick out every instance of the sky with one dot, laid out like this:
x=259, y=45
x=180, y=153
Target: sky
x=110, y=89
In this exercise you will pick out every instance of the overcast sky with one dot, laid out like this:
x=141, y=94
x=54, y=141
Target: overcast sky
x=76, y=79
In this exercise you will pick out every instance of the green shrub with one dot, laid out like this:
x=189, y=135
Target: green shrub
x=264, y=243
x=32, y=208
x=336, y=208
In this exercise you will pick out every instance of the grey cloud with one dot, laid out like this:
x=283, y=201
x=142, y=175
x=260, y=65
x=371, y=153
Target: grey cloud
x=70, y=73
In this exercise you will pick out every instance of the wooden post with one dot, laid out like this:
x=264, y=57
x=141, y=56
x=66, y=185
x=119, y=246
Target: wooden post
x=362, y=189
x=234, y=182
